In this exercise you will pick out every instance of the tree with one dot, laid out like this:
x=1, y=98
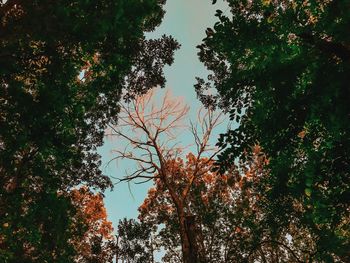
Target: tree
x=229, y=216
x=281, y=69
x=97, y=244
x=135, y=242
x=63, y=68
x=155, y=150
x=160, y=209
x=86, y=229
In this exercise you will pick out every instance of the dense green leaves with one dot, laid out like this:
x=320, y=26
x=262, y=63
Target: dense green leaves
x=135, y=242
x=281, y=69
x=285, y=65
x=63, y=68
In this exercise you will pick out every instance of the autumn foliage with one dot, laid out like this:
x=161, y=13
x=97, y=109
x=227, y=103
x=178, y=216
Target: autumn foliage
x=274, y=187
x=209, y=206
x=97, y=242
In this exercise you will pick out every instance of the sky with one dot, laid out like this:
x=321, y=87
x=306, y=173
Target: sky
x=186, y=21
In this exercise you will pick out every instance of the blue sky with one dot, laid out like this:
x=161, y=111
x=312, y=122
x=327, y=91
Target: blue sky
x=186, y=21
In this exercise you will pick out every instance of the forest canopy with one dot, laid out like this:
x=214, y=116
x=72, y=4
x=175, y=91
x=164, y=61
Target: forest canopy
x=64, y=66
x=273, y=188
x=281, y=69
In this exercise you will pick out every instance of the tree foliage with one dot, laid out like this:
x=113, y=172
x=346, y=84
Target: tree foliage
x=63, y=67
x=226, y=213
x=150, y=133
x=97, y=244
x=281, y=69
x=200, y=214
x=135, y=242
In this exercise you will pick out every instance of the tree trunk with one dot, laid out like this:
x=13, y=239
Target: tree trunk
x=188, y=233
x=193, y=236
x=189, y=240
x=187, y=256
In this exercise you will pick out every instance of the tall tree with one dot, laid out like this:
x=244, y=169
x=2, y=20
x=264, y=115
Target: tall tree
x=229, y=215
x=281, y=68
x=149, y=130
x=63, y=67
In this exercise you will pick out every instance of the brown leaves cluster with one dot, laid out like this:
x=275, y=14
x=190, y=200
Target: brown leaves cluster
x=91, y=210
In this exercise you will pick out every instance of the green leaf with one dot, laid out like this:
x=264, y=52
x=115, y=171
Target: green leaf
x=308, y=191
x=309, y=182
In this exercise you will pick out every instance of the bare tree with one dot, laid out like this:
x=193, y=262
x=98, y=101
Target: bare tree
x=150, y=131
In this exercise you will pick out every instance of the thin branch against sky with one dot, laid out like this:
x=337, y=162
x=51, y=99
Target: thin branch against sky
x=148, y=134
x=187, y=22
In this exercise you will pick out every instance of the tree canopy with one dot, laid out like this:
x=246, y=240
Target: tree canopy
x=224, y=215
x=275, y=189
x=64, y=66
x=97, y=242
x=149, y=129
x=135, y=242
x=281, y=69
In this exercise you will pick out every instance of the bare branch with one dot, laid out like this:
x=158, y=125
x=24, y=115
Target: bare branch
x=141, y=124
x=150, y=130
